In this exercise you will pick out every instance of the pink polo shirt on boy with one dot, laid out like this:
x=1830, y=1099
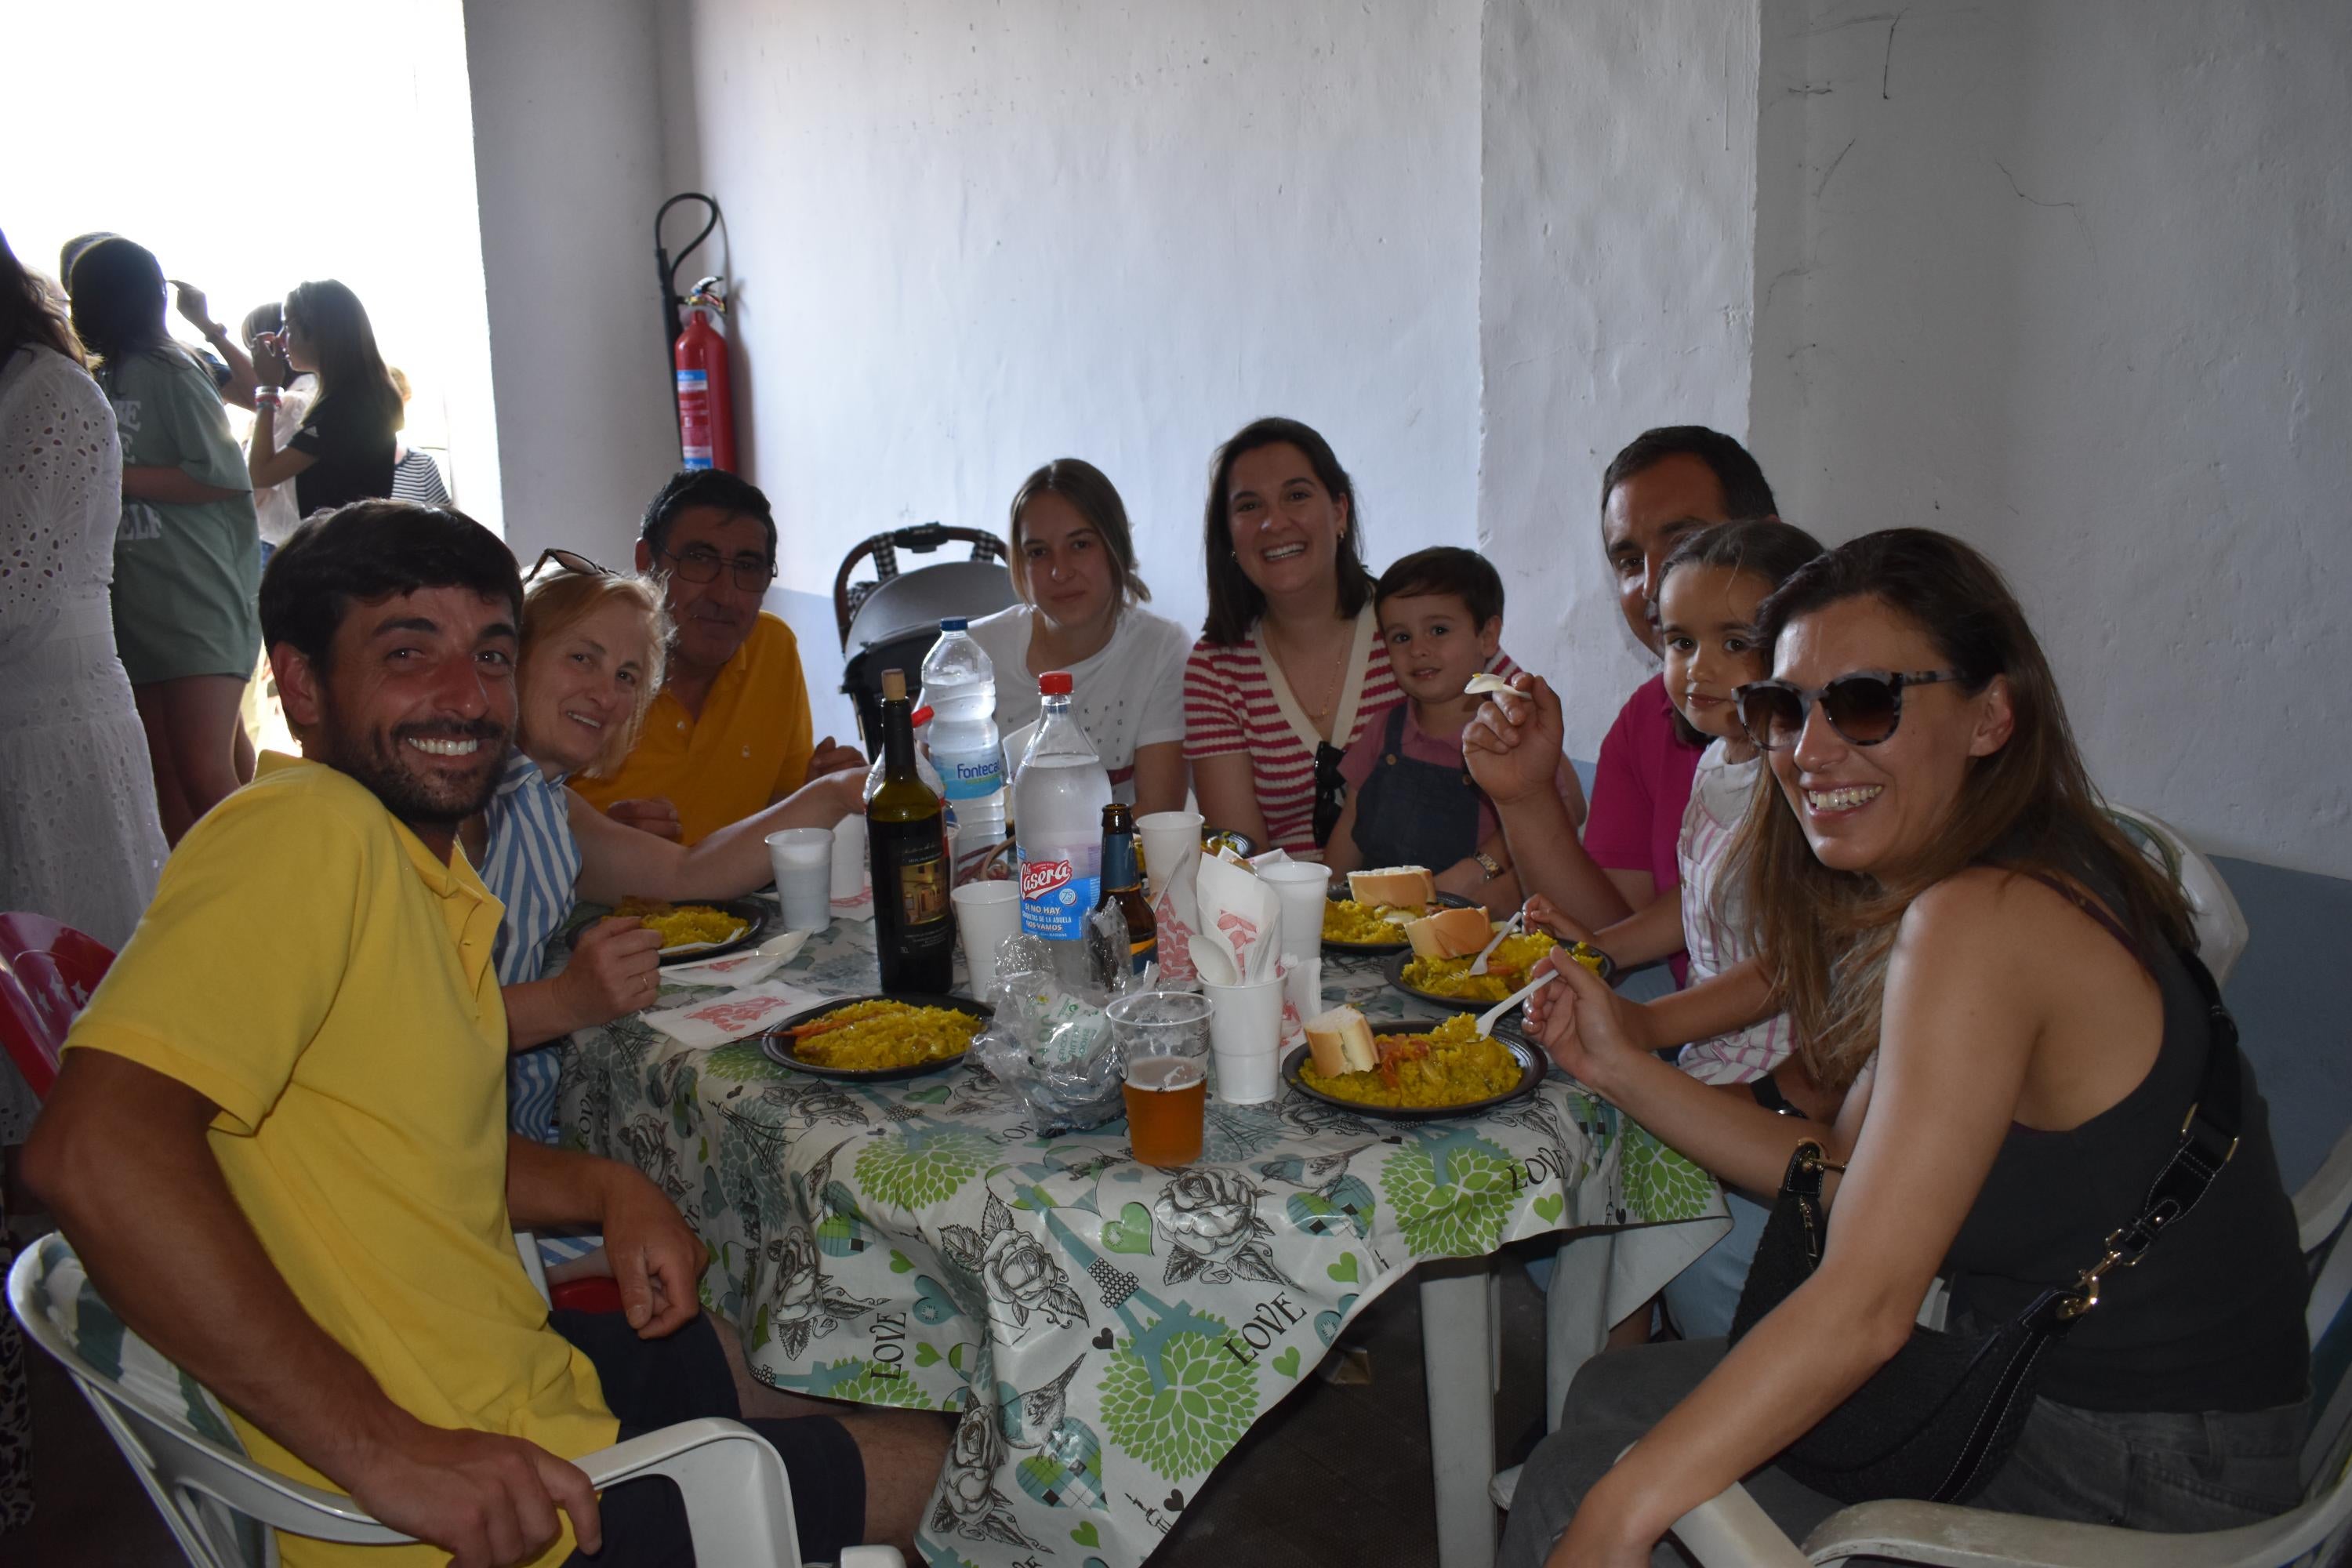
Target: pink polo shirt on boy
x=1640, y=788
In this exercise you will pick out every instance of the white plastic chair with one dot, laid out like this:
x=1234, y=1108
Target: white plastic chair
x=216, y=1501
x=1731, y=1531
x=2213, y=912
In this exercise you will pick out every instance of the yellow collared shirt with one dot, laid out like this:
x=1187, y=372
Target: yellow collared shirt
x=750, y=746
x=311, y=968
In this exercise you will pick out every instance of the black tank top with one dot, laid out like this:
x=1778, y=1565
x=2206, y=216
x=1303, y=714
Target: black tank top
x=2211, y=1317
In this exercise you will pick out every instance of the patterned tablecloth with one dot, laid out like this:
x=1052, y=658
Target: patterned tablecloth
x=1108, y=1330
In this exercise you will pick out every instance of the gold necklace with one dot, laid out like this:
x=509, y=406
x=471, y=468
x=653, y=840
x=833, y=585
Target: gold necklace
x=1331, y=688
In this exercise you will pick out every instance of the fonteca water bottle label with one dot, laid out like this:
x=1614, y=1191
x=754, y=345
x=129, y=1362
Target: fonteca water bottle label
x=969, y=778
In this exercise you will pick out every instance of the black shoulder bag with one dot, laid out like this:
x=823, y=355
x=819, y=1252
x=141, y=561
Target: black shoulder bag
x=1935, y=1422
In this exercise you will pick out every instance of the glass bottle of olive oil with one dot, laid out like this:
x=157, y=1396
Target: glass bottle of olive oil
x=914, y=938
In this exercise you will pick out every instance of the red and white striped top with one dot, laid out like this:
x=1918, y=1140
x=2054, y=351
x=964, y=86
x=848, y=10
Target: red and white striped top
x=1715, y=932
x=1235, y=700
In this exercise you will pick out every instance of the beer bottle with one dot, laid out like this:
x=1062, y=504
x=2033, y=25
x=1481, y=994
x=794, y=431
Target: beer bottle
x=1122, y=885
x=914, y=940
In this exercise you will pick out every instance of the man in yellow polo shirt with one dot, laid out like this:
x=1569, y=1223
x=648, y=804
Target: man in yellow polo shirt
x=279, y=1136
x=729, y=734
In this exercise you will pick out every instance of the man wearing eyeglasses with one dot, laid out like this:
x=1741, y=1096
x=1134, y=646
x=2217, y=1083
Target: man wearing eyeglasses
x=729, y=734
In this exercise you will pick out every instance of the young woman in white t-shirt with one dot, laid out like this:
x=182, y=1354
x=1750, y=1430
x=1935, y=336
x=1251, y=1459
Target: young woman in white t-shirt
x=1081, y=610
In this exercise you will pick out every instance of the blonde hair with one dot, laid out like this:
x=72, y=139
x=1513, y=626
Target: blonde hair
x=556, y=603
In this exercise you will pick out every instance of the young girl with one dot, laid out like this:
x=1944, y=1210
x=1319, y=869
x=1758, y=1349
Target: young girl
x=343, y=452
x=1708, y=590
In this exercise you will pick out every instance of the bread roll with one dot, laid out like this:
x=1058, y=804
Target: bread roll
x=1398, y=886
x=1341, y=1042
x=1449, y=933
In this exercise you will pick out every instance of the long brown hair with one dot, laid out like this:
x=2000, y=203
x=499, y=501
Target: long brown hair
x=31, y=311
x=1824, y=935
x=1234, y=602
x=348, y=364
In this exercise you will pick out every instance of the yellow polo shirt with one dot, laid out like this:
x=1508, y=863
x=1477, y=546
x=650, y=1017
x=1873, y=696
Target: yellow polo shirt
x=309, y=967
x=748, y=749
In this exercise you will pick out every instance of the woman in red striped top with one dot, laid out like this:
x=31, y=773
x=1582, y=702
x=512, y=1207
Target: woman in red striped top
x=1289, y=667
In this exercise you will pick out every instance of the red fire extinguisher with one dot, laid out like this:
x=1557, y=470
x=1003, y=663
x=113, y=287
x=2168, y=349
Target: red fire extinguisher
x=706, y=402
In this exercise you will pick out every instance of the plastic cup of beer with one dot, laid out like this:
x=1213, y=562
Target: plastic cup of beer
x=1163, y=1043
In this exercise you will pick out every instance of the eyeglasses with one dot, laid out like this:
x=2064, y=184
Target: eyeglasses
x=702, y=565
x=1330, y=791
x=1864, y=707
x=570, y=559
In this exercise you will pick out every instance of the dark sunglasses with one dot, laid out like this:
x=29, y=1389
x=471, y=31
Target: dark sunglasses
x=570, y=559
x=1864, y=707
x=702, y=565
x=1330, y=791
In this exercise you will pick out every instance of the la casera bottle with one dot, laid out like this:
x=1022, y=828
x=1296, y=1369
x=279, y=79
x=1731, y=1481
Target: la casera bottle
x=914, y=937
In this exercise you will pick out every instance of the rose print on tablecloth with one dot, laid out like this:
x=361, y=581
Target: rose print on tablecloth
x=1014, y=1268
x=968, y=1502
x=1210, y=1222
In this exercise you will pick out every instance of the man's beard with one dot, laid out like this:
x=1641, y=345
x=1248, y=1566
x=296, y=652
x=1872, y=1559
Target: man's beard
x=381, y=761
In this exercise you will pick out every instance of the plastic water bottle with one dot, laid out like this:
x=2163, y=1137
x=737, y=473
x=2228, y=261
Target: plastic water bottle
x=1057, y=811
x=930, y=775
x=959, y=689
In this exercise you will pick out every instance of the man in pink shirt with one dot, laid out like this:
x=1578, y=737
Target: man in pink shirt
x=1667, y=483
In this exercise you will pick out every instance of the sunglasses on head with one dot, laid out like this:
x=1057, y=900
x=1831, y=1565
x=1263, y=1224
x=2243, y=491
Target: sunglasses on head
x=1330, y=791
x=1864, y=707
x=568, y=560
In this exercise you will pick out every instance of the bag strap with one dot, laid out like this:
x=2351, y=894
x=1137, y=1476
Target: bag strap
x=2209, y=1137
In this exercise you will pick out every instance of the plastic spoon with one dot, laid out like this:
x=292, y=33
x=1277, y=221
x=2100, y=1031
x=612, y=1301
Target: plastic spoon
x=1493, y=1015
x=1509, y=927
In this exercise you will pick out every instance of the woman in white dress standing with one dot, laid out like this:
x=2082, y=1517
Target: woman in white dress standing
x=1081, y=610
x=80, y=840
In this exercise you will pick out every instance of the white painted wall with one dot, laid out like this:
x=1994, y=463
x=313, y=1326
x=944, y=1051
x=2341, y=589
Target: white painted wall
x=1614, y=285
x=966, y=241
x=567, y=142
x=2070, y=282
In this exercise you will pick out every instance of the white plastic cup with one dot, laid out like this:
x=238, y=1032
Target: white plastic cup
x=1302, y=887
x=986, y=913
x=849, y=867
x=803, y=860
x=1245, y=1037
x=1168, y=836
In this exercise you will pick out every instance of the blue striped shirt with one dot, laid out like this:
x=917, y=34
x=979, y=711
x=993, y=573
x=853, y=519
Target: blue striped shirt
x=531, y=863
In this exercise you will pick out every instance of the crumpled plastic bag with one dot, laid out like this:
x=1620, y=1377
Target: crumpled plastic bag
x=1055, y=1045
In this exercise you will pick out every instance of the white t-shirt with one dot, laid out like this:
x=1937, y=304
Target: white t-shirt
x=1128, y=695
x=1714, y=915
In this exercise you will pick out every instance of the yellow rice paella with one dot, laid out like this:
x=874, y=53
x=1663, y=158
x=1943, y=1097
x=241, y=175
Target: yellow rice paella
x=1508, y=968
x=1362, y=925
x=876, y=1036
x=1451, y=1064
x=680, y=924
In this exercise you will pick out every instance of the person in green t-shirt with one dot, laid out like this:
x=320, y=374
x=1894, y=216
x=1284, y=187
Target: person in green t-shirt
x=187, y=555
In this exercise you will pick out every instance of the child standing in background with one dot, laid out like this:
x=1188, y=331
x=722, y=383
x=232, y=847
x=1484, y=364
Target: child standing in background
x=1411, y=801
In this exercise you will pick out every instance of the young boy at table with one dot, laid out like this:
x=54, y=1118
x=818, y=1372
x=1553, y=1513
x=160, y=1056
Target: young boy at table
x=277, y=1139
x=1410, y=799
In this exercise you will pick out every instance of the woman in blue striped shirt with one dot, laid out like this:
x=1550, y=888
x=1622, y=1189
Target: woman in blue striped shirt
x=592, y=643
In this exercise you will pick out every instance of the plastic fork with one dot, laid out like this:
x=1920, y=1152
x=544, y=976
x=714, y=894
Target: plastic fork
x=1517, y=922
x=1493, y=1015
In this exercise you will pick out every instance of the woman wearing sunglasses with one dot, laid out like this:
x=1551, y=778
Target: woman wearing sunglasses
x=592, y=647
x=2006, y=989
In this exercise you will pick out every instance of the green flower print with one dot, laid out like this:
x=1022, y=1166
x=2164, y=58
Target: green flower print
x=1456, y=1209
x=742, y=1061
x=921, y=1166
x=877, y=1384
x=1206, y=1401
x=1660, y=1184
